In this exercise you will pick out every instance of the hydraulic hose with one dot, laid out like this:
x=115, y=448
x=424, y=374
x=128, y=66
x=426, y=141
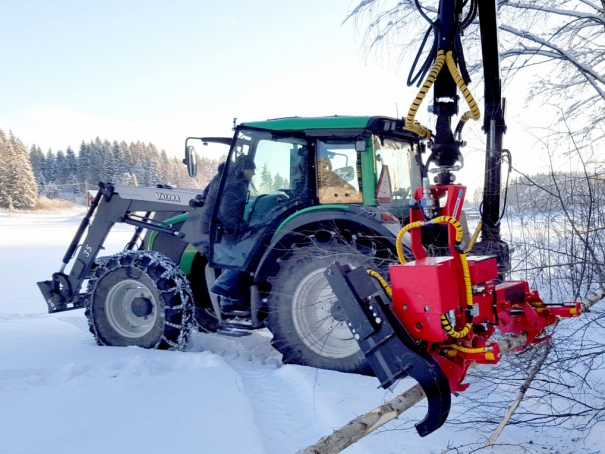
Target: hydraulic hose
x=474, y=111
x=445, y=324
x=474, y=238
x=383, y=283
x=410, y=123
x=489, y=353
x=406, y=228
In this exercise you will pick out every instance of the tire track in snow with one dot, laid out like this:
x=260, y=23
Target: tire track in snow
x=281, y=398
x=134, y=366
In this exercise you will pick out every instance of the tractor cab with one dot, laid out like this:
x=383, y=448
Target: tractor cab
x=279, y=168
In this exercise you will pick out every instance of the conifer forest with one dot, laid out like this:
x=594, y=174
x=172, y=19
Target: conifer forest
x=26, y=174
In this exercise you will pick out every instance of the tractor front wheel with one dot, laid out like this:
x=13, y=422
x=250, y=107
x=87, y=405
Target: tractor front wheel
x=140, y=298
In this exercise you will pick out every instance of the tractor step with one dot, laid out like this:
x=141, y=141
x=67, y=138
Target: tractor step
x=234, y=332
x=236, y=313
x=241, y=323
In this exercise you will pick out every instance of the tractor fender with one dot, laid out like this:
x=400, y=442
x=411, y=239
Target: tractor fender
x=290, y=232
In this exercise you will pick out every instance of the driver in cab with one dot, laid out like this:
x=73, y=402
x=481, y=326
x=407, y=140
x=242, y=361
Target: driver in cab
x=231, y=214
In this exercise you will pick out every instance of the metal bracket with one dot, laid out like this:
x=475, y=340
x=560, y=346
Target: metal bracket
x=389, y=349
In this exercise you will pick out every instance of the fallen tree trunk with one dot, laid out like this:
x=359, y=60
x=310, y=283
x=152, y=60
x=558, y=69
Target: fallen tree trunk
x=363, y=425
x=592, y=299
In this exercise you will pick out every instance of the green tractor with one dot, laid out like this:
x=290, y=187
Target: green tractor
x=342, y=195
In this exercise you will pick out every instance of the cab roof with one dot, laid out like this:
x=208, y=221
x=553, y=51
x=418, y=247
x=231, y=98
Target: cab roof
x=385, y=125
x=302, y=123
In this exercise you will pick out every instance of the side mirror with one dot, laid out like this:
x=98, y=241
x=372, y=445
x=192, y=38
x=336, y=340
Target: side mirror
x=191, y=161
x=346, y=173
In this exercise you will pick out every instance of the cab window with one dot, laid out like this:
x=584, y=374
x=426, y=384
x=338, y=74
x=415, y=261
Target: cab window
x=398, y=157
x=338, y=172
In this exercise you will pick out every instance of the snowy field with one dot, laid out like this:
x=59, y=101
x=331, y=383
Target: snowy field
x=61, y=393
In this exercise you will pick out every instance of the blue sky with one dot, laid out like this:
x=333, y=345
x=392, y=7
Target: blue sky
x=161, y=71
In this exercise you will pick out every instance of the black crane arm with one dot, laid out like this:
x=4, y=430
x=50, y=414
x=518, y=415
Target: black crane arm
x=449, y=77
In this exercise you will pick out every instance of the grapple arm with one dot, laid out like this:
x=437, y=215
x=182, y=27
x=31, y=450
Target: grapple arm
x=389, y=349
x=112, y=204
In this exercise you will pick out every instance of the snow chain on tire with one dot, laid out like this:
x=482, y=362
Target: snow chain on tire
x=174, y=320
x=301, y=313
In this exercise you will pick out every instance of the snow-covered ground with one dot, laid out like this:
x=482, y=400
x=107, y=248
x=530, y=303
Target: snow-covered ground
x=61, y=393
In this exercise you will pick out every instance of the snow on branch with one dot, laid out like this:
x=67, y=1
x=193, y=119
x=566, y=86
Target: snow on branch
x=564, y=54
x=562, y=12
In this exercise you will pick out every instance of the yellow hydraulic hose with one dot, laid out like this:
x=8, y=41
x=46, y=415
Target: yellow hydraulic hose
x=454, y=222
x=474, y=238
x=469, y=303
x=489, y=354
x=410, y=123
x=474, y=113
x=447, y=327
x=407, y=228
x=383, y=283
x=413, y=225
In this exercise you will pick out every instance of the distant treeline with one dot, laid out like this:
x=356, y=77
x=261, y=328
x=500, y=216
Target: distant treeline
x=67, y=175
x=25, y=176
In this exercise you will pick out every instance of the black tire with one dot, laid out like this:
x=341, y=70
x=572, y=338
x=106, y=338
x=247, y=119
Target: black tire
x=140, y=298
x=301, y=302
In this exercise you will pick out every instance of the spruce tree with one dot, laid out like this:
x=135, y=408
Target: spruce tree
x=119, y=166
x=24, y=188
x=96, y=161
x=37, y=159
x=71, y=166
x=83, y=163
x=266, y=182
x=126, y=158
x=60, y=170
x=108, y=167
x=153, y=166
x=6, y=158
x=50, y=168
x=279, y=182
x=164, y=168
x=139, y=173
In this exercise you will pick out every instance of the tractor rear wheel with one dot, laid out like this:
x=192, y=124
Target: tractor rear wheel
x=140, y=298
x=308, y=328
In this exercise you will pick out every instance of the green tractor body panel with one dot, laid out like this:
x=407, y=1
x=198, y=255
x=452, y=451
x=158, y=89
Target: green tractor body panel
x=170, y=221
x=190, y=251
x=306, y=210
x=368, y=174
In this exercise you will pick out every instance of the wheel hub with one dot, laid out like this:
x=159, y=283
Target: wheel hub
x=131, y=308
x=338, y=312
x=141, y=307
x=319, y=319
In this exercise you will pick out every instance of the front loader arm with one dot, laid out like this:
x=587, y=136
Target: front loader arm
x=112, y=204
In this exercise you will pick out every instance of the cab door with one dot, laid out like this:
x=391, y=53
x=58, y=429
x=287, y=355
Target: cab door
x=266, y=178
